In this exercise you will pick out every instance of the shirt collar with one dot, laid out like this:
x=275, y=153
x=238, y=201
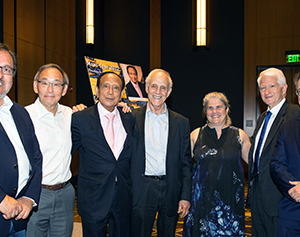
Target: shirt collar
x=276, y=108
x=148, y=110
x=42, y=111
x=102, y=111
x=7, y=104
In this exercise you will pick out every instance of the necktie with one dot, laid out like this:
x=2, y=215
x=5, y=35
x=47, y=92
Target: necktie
x=261, y=138
x=138, y=90
x=109, y=132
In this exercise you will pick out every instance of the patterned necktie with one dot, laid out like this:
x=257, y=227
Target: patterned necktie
x=261, y=138
x=109, y=132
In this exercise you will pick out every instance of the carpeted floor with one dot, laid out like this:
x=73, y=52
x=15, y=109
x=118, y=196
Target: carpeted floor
x=77, y=231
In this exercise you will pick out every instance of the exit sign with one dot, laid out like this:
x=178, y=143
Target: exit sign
x=292, y=56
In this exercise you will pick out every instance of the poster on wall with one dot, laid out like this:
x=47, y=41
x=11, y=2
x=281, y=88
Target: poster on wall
x=134, y=94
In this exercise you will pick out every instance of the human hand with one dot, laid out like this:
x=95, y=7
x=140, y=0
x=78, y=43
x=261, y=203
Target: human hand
x=184, y=206
x=294, y=192
x=9, y=207
x=125, y=107
x=79, y=107
x=26, y=204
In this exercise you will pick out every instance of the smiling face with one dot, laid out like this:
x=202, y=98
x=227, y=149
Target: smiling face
x=6, y=81
x=270, y=90
x=158, y=89
x=48, y=95
x=109, y=91
x=216, y=112
x=132, y=75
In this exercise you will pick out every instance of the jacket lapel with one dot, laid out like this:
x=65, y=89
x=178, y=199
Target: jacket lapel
x=173, y=125
x=140, y=123
x=297, y=134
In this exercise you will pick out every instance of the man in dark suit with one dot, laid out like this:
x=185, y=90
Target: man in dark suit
x=285, y=166
x=21, y=158
x=134, y=87
x=161, y=162
x=263, y=195
x=104, y=183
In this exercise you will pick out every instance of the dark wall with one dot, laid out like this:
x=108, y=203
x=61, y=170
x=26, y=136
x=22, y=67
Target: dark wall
x=1, y=21
x=195, y=74
x=121, y=35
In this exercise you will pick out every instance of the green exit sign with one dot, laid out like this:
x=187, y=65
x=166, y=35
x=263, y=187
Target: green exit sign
x=292, y=56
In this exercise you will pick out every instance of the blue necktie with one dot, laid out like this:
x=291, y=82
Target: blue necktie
x=261, y=138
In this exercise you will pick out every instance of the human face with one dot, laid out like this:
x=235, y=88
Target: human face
x=270, y=90
x=109, y=91
x=6, y=81
x=132, y=75
x=298, y=88
x=216, y=112
x=158, y=91
x=49, y=97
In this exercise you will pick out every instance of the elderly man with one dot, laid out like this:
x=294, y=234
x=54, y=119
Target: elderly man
x=285, y=166
x=104, y=136
x=21, y=158
x=134, y=87
x=161, y=162
x=52, y=123
x=263, y=194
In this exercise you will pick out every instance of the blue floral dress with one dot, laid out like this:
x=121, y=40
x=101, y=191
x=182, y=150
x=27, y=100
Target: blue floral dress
x=217, y=204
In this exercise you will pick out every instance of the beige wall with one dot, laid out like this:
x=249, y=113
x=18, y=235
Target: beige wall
x=271, y=28
x=45, y=33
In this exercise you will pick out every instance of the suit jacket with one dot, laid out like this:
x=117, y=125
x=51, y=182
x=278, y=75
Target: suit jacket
x=98, y=167
x=132, y=92
x=285, y=166
x=178, y=160
x=9, y=165
x=269, y=192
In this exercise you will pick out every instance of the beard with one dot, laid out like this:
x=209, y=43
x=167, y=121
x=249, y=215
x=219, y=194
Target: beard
x=5, y=92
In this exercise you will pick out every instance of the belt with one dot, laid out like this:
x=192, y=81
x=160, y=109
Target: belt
x=56, y=186
x=157, y=177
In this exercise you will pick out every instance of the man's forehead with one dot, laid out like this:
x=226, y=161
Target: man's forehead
x=6, y=57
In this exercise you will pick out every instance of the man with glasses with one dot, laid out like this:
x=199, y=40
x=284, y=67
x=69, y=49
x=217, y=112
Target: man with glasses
x=285, y=166
x=263, y=195
x=52, y=123
x=21, y=158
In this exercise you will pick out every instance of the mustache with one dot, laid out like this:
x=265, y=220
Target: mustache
x=2, y=82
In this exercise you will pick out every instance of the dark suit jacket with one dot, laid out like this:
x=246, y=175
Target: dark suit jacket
x=98, y=167
x=132, y=92
x=285, y=166
x=9, y=165
x=178, y=160
x=269, y=192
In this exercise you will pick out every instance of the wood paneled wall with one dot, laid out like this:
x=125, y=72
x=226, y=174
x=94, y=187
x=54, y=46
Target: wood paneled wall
x=271, y=28
x=40, y=32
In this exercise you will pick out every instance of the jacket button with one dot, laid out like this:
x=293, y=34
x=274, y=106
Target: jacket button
x=16, y=166
x=15, y=190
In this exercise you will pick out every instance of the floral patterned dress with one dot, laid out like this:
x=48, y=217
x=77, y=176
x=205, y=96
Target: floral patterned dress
x=217, y=204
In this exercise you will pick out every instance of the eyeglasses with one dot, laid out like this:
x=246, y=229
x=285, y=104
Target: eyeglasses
x=55, y=85
x=298, y=92
x=7, y=70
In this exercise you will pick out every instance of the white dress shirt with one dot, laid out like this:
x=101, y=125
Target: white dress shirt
x=274, y=112
x=119, y=130
x=9, y=126
x=54, y=135
x=156, y=140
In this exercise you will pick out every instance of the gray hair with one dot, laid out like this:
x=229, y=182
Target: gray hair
x=273, y=72
x=221, y=97
x=4, y=47
x=149, y=77
x=52, y=65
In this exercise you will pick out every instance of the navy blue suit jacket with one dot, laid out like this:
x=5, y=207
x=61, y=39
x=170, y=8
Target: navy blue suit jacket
x=178, y=160
x=285, y=167
x=98, y=167
x=132, y=92
x=9, y=165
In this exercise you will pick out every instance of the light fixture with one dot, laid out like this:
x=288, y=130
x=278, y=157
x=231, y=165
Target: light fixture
x=90, y=21
x=201, y=23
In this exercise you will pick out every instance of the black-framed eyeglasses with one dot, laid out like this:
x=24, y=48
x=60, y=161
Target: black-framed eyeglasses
x=46, y=84
x=7, y=70
x=297, y=92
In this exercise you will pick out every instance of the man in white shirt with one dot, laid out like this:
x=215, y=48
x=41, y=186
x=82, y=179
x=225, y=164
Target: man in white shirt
x=52, y=123
x=20, y=159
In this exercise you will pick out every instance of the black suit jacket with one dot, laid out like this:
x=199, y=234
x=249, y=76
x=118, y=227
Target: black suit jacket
x=9, y=165
x=132, y=92
x=178, y=160
x=269, y=192
x=285, y=166
x=98, y=167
